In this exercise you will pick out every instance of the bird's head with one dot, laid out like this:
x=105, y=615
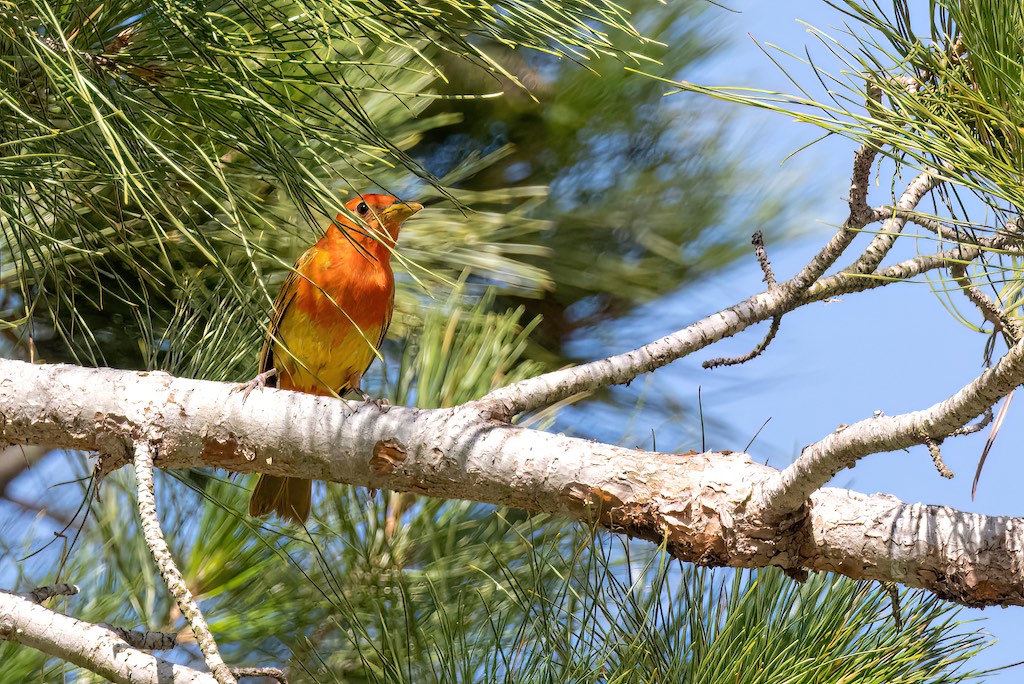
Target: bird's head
x=383, y=214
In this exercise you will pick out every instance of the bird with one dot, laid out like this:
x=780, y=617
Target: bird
x=328, y=323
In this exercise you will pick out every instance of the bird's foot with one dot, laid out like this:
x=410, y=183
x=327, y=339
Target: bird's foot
x=259, y=382
x=382, y=404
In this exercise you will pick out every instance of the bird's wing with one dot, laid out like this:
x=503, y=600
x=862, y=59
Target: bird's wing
x=281, y=304
x=383, y=333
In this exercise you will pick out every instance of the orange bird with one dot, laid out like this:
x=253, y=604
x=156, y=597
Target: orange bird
x=329, y=321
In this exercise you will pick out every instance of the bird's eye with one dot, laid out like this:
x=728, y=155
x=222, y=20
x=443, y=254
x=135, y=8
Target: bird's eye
x=362, y=208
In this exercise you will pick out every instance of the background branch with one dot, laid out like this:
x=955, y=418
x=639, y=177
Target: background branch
x=87, y=645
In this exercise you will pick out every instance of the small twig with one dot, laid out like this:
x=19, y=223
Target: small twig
x=271, y=672
x=936, y=453
x=168, y=570
x=970, y=429
x=894, y=601
x=757, y=239
x=991, y=312
x=43, y=593
x=752, y=354
x=143, y=639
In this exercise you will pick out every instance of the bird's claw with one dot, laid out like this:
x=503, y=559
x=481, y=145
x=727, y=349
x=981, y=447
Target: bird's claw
x=382, y=404
x=259, y=382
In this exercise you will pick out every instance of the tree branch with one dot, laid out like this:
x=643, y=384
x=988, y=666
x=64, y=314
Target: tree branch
x=96, y=648
x=168, y=570
x=769, y=278
x=819, y=462
x=697, y=504
x=549, y=388
x=894, y=223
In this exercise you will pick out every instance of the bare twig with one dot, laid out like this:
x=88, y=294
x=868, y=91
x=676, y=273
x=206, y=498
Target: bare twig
x=268, y=672
x=752, y=354
x=757, y=239
x=144, y=639
x=769, y=278
x=168, y=570
x=971, y=428
x=43, y=593
x=936, y=454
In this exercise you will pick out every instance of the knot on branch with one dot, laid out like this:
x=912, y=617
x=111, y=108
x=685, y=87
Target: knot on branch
x=387, y=455
x=144, y=640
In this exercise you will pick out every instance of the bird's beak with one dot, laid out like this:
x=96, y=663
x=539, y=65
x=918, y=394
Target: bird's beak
x=399, y=211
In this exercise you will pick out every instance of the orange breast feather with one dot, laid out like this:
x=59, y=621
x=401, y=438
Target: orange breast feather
x=336, y=310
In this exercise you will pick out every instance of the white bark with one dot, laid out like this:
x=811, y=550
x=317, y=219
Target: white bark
x=819, y=462
x=173, y=578
x=549, y=388
x=87, y=645
x=698, y=503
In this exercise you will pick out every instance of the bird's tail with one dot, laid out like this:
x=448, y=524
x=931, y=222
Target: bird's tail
x=289, y=497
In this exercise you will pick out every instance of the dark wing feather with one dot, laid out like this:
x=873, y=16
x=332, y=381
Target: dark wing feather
x=281, y=304
x=383, y=331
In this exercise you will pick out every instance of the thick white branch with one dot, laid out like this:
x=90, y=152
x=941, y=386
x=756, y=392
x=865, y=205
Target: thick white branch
x=697, y=504
x=87, y=645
